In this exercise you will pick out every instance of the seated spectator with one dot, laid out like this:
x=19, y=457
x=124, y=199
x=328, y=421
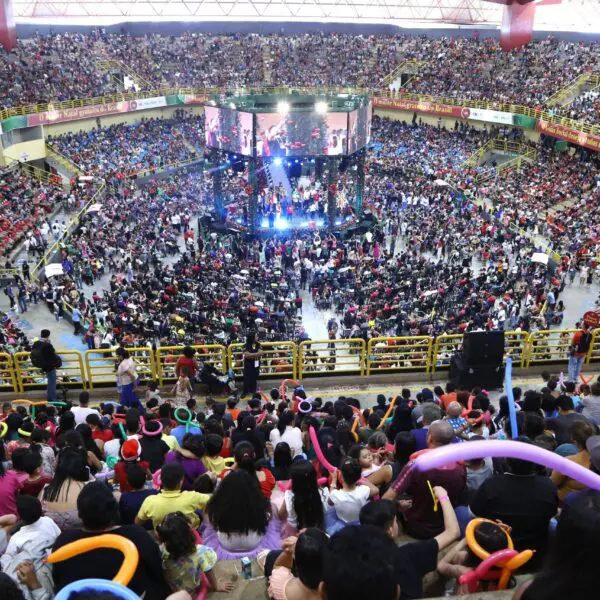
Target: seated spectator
x=171, y=499
x=99, y=514
x=154, y=449
x=561, y=425
x=131, y=502
x=521, y=499
x=131, y=453
x=185, y=561
x=189, y=456
x=36, y=480
x=212, y=459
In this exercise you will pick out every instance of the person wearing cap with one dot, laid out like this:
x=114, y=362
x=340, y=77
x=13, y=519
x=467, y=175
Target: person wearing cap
x=172, y=499
x=130, y=454
x=99, y=513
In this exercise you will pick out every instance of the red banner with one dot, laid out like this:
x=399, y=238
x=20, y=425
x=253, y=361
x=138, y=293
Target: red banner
x=432, y=108
x=587, y=140
x=75, y=114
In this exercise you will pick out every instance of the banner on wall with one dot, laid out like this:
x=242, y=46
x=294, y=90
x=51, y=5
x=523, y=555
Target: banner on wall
x=432, y=108
x=147, y=103
x=76, y=114
x=490, y=116
x=587, y=140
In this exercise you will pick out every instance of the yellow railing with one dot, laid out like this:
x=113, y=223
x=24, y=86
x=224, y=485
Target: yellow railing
x=279, y=359
x=385, y=355
x=166, y=359
x=568, y=93
x=283, y=360
x=324, y=357
x=537, y=113
x=408, y=67
x=70, y=374
x=67, y=163
x=108, y=64
x=101, y=366
x=42, y=176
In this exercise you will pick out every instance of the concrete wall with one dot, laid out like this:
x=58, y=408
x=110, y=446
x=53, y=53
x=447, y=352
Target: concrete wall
x=34, y=150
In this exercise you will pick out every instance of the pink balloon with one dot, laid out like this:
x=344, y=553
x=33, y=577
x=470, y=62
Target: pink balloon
x=439, y=457
x=284, y=486
x=319, y=453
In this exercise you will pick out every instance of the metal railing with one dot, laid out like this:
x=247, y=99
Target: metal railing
x=537, y=113
x=283, y=360
x=568, y=93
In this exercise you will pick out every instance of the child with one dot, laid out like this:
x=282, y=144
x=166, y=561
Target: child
x=460, y=559
x=364, y=457
x=153, y=393
x=212, y=459
x=459, y=423
x=167, y=438
x=348, y=501
x=32, y=465
x=131, y=502
x=41, y=438
x=185, y=561
x=31, y=544
x=130, y=452
x=183, y=388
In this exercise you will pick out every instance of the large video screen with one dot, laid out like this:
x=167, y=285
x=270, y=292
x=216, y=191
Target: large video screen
x=228, y=130
x=301, y=134
x=360, y=128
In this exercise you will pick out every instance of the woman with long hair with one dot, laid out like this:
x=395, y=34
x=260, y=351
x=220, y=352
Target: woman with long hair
x=286, y=431
x=59, y=497
x=304, y=504
x=66, y=423
x=95, y=455
x=280, y=460
x=246, y=432
x=239, y=516
x=404, y=445
x=245, y=460
x=402, y=421
x=189, y=456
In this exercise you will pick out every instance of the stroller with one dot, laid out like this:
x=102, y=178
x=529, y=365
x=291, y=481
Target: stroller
x=215, y=381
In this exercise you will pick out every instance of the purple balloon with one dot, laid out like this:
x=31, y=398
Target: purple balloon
x=506, y=449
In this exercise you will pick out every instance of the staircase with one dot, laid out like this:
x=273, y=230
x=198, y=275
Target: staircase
x=64, y=166
x=566, y=95
x=393, y=81
x=276, y=176
x=117, y=66
x=266, y=53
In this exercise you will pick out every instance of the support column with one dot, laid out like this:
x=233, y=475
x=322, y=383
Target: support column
x=332, y=165
x=252, y=195
x=517, y=25
x=8, y=31
x=217, y=177
x=360, y=185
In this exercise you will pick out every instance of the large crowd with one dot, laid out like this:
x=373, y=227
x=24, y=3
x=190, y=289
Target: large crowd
x=291, y=488
x=66, y=65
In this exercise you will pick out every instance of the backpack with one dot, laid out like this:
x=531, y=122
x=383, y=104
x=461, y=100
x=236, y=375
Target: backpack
x=42, y=359
x=584, y=343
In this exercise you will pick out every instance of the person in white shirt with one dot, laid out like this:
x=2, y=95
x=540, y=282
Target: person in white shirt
x=30, y=546
x=348, y=501
x=286, y=432
x=82, y=411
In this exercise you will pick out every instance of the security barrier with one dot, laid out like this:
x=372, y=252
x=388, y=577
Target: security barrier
x=167, y=357
x=287, y=360
x=385, y=355
x=278, y=360
x=70, y=375
x=101, y=366
x=326, y=357
x=549, y=346
x=8, y=379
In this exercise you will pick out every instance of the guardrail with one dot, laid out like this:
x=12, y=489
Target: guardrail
x=537, y=113
x=284, y=360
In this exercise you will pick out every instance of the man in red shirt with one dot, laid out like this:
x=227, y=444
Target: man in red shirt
x=580, y=345
x=187, y=360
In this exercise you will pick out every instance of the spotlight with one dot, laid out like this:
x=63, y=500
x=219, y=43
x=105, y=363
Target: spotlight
x=264, y=223
x=321, y=107
x=296, y=161
x=281, y=225
x=277, y=161
x=283, y=107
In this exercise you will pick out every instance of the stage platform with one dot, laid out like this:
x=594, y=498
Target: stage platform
x=295, y=224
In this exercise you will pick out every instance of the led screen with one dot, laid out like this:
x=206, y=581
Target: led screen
x=228, y=130
x=301, y=134
x=360, y=128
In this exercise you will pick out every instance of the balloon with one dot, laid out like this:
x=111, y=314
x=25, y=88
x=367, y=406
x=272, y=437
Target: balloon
x=438, y=457
x=152, y=433
x=104, y=475
x=283, y=385
x=31, y=403
x=188, y=422
x=512, y=412
x=315, y=442
x=261, y=417
x=107, y=540
x=353, y=430
x=156, y=482
x=358, y=412
x=472, y=578
x=98, y=585
x=3, y=429
x=122, y=430
x=388, y=412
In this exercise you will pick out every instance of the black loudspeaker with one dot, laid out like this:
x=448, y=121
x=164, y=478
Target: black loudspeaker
x=483, y=347
x=466, y=376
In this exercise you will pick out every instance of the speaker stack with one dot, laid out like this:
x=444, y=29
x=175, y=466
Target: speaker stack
x=481, y=361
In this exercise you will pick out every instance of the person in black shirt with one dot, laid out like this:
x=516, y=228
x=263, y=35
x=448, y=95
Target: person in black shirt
x=561, y=425
x=99, y=513
x=252, y=354
x=521, y=499
x=413, y=561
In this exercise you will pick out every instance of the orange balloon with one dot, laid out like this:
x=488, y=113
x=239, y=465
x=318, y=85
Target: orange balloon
x=388, y=412
x=107, y=540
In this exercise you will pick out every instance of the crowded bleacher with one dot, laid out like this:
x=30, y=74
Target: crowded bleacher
x=208, y=474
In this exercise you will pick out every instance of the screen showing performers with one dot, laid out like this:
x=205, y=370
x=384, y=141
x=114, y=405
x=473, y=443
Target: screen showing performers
x=360, y=128
x=301, y=134
x=228, y=130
